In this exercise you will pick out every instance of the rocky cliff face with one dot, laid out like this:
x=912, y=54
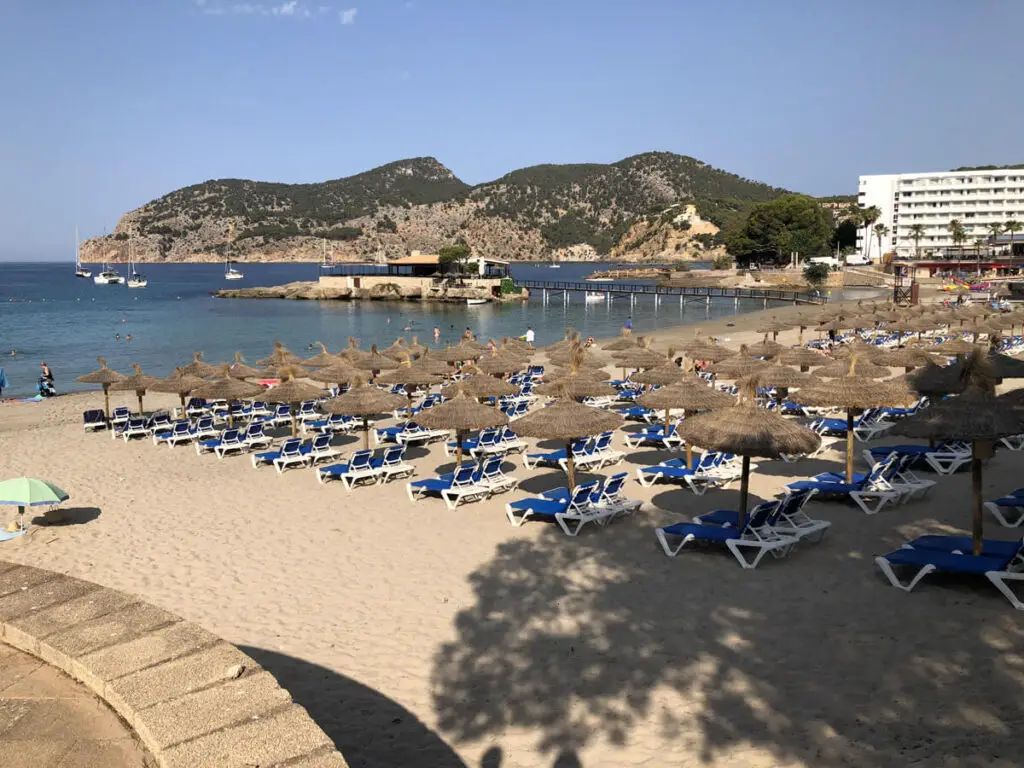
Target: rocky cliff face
x=574, y=212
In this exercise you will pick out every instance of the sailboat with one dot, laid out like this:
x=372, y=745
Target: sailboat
x=109, y=276
x=135, y=280
x=324, y=264
x=230, y=273
x=80, y=271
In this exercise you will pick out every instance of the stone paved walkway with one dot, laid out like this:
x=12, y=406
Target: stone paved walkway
x=47, y=720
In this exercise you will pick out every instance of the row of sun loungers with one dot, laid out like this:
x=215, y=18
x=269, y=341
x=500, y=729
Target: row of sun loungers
x=712, y=470
x=587, y=453
x=597, y=502
x=469, y=482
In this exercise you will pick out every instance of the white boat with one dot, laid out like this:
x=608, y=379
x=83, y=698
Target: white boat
x=552, y=265
x=230, y=273
x=595, y=296
x=324, y=263
x=108, y=276
x=135, y=280
x=475, y=302
x=80, y=271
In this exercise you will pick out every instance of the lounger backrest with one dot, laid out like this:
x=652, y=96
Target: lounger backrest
x=93, y=416
x=580, y=498
x=121, y=411
x=204, y=422
x=613, y=487
x=464, y=475
x=136, y=423
x=308, y=406
x=491, y=467
x=880, y=471
x=489, y=437
x=602, y=443
x=361, y=459
x=321, y=442
x=282, y=410
x=393, y=455
x=232, y=435
x=292, y=447
x=181, y=428
x=579, y=445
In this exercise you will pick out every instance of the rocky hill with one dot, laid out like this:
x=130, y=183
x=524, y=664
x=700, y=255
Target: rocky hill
x=547, y=211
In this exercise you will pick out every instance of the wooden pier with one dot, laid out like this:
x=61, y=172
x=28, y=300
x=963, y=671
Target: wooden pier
x=553, y=288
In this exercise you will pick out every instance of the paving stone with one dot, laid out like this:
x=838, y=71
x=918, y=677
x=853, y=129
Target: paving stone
x=111, y=629
x=23, y=577
x=45, y=682
x=123, y=753
x=14, y=665
x=266, y=741
x=203, y=712
x=146, y=650
x=66, y=719
x=326, y=760
x=26, y=631
x=177, y=677
x=43, y=595
x=35, y=753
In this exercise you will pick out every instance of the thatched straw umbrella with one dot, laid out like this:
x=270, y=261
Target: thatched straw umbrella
x=352, y=352
x=104, y=377
x=228, y=388
x=767, y=349
x=841, y=368
x=566, y=421
x=279, y=356
x=239, y=370
x=664, y=375
x=517, y=346
x=364, y=401
x=738, y=366
x=375, y=362
x=774, y=326
x=198, y=368
x=575, y=388
x=179, y=383
x=624, y=342
x=321, y=359
x=954, y=346
x=278, y=371
x=460, y=353
x=804, y=357
x=709, y=351
x=780, y=376
x=429, y=362
x=292, y=392
x=640, y=357
x=591, y=374
x=480, y=386
x=412, y=377
x=689, y=394
x=569, y=338
x=905, y=357
x=462, y=413
x=747, y=431
x=499, y=364
x=137, y=383
x=854, y=392
x=339, y=373
x=976, y=415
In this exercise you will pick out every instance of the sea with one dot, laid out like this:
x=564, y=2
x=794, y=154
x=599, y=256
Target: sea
x=47, y=314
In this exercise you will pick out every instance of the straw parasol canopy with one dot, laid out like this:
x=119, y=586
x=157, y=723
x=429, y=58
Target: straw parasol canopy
x=774, y=326
x=179, y=383
x=480, y=385
x=624, y=342
x=663, y=375
x=352, y=352
x=566, y=421
x=591, y=374
x=321, y=360
x=198, y=368
x=416, y=349
x=339, y=373
x=747, y=431
x=239, y=370
x=375, y=362
x=461, y=414
x=955, y=346
x=460, y=353
x=738, y=366
x=292, y=391
x=907, y=358
x=137, y=383
x=581, y=354
x=688, y=394
x=278, y=371
x=575, y=388
x=780, y=376
x=976, y=415
x=804, y=357
x=430, y=363
x=500, y=364
x=841, y=368
x=640, y=357
x=280, y=356
x=709, y=351
x=228, y=388
x=412, y=377
x=104, y=377
x=765, y=349
x=855, y=392
x=363, y=400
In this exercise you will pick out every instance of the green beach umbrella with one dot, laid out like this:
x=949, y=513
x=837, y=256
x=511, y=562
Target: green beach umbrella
x=24, y=492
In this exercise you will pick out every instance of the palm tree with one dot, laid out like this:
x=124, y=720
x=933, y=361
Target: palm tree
x=868, y=216
x=916, y=233
x=881, y=232
x=994, y=231
x=1011, y=228
x=959, y=235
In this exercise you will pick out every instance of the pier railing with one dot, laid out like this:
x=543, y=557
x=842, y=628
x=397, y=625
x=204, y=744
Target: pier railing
x=651, y=289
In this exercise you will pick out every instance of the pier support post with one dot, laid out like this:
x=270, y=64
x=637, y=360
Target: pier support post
x=544, y=296
x=632, y=300
x=565, y=298
x=736, y=303
x=766, y=303
x=707, y=300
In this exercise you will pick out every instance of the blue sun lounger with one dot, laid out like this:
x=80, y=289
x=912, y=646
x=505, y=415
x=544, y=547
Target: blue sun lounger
x=180, y=432
x=358, y=468
x=570, y=511
x=792, y=520
x=1001, y=508
x=94, y=419
x=464, y=484
x=871, y=492
x=1000, y=562
x=230, y=441
x=757, y=533
x=554, y=458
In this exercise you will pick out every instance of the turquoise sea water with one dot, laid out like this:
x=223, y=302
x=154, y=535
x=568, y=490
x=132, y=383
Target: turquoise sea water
x=46, y=313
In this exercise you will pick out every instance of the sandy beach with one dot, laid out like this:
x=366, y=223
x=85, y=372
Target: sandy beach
x=420, y=636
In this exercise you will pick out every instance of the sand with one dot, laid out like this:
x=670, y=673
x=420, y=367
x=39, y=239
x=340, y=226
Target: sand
x=420, y=636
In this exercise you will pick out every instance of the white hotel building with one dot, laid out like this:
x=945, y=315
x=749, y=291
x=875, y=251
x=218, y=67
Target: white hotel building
x=976, y=198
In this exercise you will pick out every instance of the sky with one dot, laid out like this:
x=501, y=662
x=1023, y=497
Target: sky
x=107, y=104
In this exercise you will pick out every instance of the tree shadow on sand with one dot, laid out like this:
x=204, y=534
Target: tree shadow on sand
x=368, y=728
x=812, y=658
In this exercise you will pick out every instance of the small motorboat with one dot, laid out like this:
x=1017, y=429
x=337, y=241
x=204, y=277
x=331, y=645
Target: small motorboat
x=593, y=297
x=108, y=276
x=475, y=302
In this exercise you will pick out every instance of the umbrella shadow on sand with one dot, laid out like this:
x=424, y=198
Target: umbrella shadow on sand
x=592, y=642
x=367, y=727
x=62, y=516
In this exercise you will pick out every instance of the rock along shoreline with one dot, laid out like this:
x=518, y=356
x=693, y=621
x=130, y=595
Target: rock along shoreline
x=313, y=291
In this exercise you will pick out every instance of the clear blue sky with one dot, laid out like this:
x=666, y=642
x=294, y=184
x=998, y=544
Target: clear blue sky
x=107, y=104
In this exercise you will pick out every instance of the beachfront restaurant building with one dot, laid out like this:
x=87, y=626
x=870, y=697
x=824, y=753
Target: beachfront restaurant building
x=424, y=272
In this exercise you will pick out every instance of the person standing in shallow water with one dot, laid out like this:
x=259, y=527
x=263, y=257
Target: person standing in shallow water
x=629, y=325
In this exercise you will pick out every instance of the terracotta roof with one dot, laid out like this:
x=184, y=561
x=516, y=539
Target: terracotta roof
x=422, y=259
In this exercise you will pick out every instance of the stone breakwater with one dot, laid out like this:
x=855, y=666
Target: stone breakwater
x=313, y=291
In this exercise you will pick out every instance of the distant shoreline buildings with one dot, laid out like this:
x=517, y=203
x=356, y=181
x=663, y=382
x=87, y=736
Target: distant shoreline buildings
x=977, y=199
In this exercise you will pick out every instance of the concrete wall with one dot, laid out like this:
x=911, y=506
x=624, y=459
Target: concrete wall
x=194, y=700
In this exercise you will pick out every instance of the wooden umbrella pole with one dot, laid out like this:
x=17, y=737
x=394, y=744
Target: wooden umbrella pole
x=744, y=490
x=458, y=450
x=139, y=395
x=666, y=419
x=231, y=414
x=295, y=423
x=106, y=400
x=849, y=445
x=570, y=466
x=977, y=519
x=366, y=433
x=408, y=393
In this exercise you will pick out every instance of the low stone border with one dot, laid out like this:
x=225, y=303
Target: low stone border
x=193, y=699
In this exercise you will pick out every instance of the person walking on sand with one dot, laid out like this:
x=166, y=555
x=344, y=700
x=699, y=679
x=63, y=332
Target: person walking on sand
x=530, y=335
